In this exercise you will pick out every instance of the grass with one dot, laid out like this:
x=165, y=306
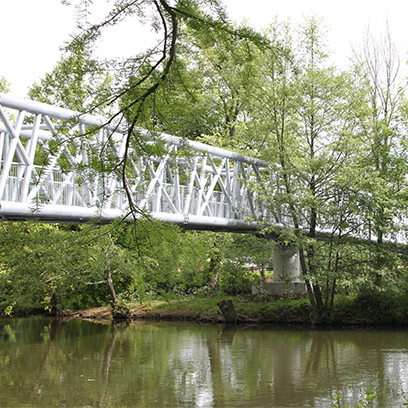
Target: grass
x=206, y=309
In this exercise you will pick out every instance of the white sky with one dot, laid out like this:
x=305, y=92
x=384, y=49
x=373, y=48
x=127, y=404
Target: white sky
x=32, y=31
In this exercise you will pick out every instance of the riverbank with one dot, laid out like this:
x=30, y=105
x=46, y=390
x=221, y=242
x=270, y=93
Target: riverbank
x=207, y=310
x=362, y=311
x=249, y=310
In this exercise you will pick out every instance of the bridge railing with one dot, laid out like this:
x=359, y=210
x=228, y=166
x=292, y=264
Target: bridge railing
x=60, y=165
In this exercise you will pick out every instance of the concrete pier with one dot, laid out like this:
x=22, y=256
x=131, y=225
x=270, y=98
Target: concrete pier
x=286, y=273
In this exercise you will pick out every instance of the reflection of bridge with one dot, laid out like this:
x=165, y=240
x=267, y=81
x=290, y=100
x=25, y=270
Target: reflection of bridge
x=60, y=166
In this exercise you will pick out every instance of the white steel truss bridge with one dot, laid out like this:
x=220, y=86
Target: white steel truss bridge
x=61, y=166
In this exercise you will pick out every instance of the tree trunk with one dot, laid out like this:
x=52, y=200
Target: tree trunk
x=215, y=269
x=262, y=273
x=228, y=310
x=111, y=289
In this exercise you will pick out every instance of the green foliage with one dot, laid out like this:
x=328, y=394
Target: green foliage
x=168, y=259
x=50, y=267
x=4, y=85
x=385, y=304
x=54, y=267
x=337, y=141
x=200, y=87
x=235, y=278
x=246, y=259
x=384, y=134
x=78, y=82
x=365, y=402
x=369, y=303
x=177, y=263
x=317, y=125
x=120, y=311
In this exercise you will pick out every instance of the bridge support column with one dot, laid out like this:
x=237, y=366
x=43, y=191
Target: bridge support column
x=286, y=264
x=286, y=273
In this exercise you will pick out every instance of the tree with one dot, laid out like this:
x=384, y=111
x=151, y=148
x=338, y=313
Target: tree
x=78, y=82
x=251, y=251
x=227, y=71
x=385, y=162
x=51, y=267
x=336, y=147
x=139, y=78
x=208, y=88
x=311, y=127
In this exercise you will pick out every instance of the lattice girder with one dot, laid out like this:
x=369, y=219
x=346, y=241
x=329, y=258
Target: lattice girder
x=59, y=165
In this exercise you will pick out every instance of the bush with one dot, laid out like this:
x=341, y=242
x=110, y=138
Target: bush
x=235, y=279
x=382, y=304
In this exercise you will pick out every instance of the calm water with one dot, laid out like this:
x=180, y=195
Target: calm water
x=50, y=363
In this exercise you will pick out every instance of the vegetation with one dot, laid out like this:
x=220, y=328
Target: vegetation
x=78, y=82
x=337, y=140
x=4, y=86
x=367, y=401
x=56, y=267
x=166, y=274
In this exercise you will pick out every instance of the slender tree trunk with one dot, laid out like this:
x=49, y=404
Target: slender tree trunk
x=111, y=289
x=333, y=291
x=215, y=270
x=316, y=311
x=262, y=273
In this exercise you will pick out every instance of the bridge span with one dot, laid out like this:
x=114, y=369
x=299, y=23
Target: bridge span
x=58, y=165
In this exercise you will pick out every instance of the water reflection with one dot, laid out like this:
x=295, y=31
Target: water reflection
x=47, y=362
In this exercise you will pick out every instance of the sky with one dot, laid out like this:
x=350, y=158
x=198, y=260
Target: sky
x=32, y=32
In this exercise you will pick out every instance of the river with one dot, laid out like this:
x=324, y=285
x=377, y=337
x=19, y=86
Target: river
x=54, y=363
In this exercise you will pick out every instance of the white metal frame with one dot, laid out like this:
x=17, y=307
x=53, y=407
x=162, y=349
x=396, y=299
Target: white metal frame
x=189, y=183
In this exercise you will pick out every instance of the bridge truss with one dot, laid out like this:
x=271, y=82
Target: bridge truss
x=61, y=166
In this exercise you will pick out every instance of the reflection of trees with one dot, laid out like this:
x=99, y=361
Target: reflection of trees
x=110, y=345
x=321, y=357
x=185, y=365
x=36, y=337
x=219, y=389
x=295, y=368
x=44, y=362
x=213, y=345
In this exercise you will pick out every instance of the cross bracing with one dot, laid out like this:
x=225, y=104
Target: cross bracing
x=61, y=166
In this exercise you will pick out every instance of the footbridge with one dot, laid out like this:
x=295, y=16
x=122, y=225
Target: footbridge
x=58, y=165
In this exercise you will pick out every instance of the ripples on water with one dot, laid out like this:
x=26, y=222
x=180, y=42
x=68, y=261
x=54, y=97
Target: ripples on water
x=52, y=363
